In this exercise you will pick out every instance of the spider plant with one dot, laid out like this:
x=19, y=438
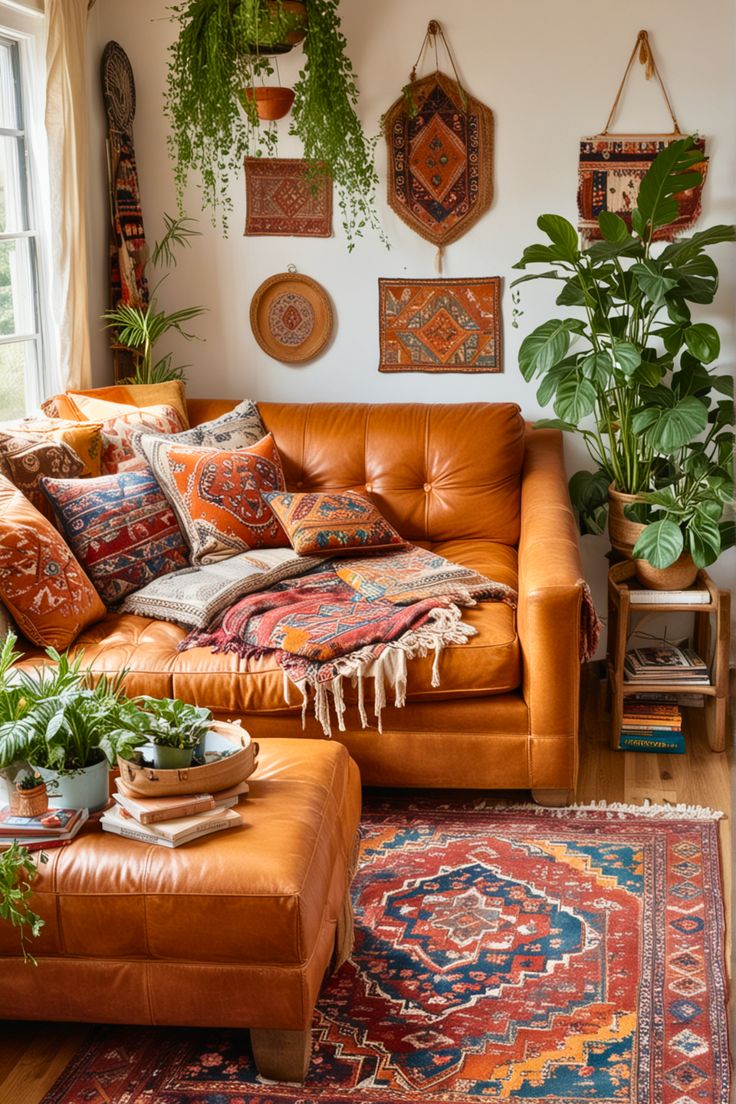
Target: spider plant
x=139, y=328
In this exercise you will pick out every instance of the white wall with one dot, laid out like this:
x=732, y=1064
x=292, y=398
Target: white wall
x=549, y=73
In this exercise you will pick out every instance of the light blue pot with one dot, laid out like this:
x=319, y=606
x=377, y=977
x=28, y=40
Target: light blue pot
x=87, y=788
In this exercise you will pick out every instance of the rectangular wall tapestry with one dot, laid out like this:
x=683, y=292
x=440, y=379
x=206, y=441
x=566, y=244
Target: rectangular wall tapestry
x=440, y=325
x=285, y=198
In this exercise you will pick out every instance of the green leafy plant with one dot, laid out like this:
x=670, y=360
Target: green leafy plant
x=17, y=871
x=140, y=328
x=30, y=781
x=167, y=722
x=218, y=54
x=633, y=375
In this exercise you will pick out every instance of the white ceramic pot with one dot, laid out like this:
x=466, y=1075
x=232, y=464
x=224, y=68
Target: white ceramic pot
x=167, y=758
x=87, y=788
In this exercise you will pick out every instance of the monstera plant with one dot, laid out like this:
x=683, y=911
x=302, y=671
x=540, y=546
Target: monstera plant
x=221, y=52
x=634, y=373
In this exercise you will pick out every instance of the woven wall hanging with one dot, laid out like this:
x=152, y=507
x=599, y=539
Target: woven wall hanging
x=440, y=153
x=285, y=198
x=612, y=165
x=291, y=317
x=440, y=325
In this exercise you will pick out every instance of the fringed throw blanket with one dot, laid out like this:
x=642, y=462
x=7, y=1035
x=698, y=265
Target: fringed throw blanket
x=360, y=618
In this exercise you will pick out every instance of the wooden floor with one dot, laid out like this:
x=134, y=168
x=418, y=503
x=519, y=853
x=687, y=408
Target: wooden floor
x=32, y=1055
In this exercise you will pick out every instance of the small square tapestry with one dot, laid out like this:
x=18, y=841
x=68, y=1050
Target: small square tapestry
x=285, y=197
x=440, y=325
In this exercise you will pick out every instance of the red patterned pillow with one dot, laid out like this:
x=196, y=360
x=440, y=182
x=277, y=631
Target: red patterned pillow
x=217, y=495
x=121, y=528
x=333, y=522
x=41, y=583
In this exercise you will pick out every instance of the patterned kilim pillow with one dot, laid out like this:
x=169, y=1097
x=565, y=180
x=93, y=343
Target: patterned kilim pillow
x=26, y=457
x=217, y=495
x=344, y=522
x=83, y=437
x=41, y=583
x=117, y=433
x=237, y=429
x=121, y=528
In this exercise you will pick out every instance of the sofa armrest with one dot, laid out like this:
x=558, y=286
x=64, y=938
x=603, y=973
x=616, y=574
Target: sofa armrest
x=549, y=611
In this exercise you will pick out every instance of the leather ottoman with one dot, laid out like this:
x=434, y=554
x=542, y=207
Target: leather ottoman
x=234, y=930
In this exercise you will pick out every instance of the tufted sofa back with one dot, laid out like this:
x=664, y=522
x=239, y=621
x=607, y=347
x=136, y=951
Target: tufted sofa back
x=437, y=472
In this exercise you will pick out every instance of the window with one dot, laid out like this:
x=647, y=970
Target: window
x=21, y=333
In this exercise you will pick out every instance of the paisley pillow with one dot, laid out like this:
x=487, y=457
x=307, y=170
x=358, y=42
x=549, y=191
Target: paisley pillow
x=217, y=495
x=334, y=522
x=118, y=453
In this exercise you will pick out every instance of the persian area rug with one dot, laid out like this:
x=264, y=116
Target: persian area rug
x=501, y=954
x=284, y=197
x=440, y=158
x=440, y=325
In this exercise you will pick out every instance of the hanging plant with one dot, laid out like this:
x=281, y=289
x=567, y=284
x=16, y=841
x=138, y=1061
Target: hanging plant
x=220, y=53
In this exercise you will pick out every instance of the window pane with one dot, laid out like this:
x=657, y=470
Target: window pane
x=10, y=116
x=17, y=360
x=13, y=213
x=17, y=288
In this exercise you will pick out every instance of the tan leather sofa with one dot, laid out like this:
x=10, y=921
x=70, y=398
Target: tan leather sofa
x=473, y=483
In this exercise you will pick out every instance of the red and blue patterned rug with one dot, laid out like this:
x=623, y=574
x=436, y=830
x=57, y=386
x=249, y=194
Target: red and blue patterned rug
x=501, y=954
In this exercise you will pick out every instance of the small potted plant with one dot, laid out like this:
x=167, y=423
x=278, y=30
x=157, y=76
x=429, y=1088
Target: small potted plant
x=31, y=798
x=139, y=328
x=167, y=731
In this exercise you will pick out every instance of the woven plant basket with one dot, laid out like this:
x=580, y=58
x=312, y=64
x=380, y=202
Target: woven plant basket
x=30, y=803
x=678, y=576
x=622, y=533
x=221, y=774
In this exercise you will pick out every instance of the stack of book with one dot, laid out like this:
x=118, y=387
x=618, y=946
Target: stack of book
x=664, y=664
x=171, y=821
x=652, y=726
x=54, y=828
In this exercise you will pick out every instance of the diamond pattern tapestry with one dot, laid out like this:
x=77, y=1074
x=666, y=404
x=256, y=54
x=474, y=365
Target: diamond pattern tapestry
x=440, y=325
x=440, y=158
x=285, y=197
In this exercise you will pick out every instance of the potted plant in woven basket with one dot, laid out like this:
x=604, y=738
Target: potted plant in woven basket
x=634, y=374
x=168, y=730
x=31, y=798
x=218, y=61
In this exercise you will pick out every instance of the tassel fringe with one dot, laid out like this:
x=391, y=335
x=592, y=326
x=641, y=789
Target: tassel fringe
x=613, y=809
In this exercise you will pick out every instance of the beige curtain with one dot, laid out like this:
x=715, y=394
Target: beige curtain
x=66, y=129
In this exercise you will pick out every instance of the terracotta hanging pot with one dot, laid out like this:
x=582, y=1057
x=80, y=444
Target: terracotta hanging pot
x=678, y=576
x=295, y=8
x=272, y=102
x=622, y=533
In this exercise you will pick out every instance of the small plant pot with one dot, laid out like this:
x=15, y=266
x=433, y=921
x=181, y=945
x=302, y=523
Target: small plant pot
x=170, y=758
x=31, y=803
x=295, y=8
x=622, y=533
x=86, y=788
x=272, y=102
x=678, y=576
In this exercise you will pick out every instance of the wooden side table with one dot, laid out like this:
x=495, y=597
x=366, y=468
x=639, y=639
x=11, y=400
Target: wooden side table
x=713, y=648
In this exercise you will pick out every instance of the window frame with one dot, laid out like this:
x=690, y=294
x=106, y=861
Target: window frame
x=23, y=30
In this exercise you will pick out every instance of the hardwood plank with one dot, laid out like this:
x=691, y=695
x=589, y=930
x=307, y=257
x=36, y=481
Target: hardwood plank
x=42, y=1051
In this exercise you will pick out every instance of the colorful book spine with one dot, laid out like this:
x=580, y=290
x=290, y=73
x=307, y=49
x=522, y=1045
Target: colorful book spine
x=673, y=743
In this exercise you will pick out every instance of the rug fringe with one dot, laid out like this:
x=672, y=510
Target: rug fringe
x=614, y=808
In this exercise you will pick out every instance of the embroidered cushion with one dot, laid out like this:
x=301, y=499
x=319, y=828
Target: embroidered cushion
x=118, y=453
x=42, y=585
x=83, y=437
x=217, y=495
x=237, y=429
x=26, y=457
x=120, y=527
x=95, y=405
x=344, y=521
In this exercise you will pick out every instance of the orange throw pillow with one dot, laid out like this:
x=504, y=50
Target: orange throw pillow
x=83, y=437
x=41, y=583
x=94, y=405
x=333, y=521
x=217, y=495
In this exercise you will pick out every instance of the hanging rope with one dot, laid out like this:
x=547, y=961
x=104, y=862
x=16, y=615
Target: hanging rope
x=433, y=33
x=643, y=48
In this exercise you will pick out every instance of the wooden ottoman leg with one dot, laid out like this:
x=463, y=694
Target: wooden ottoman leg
x=281, y=1055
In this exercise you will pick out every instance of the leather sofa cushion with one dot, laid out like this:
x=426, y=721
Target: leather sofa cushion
x=488, y=664
x=255, y=894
